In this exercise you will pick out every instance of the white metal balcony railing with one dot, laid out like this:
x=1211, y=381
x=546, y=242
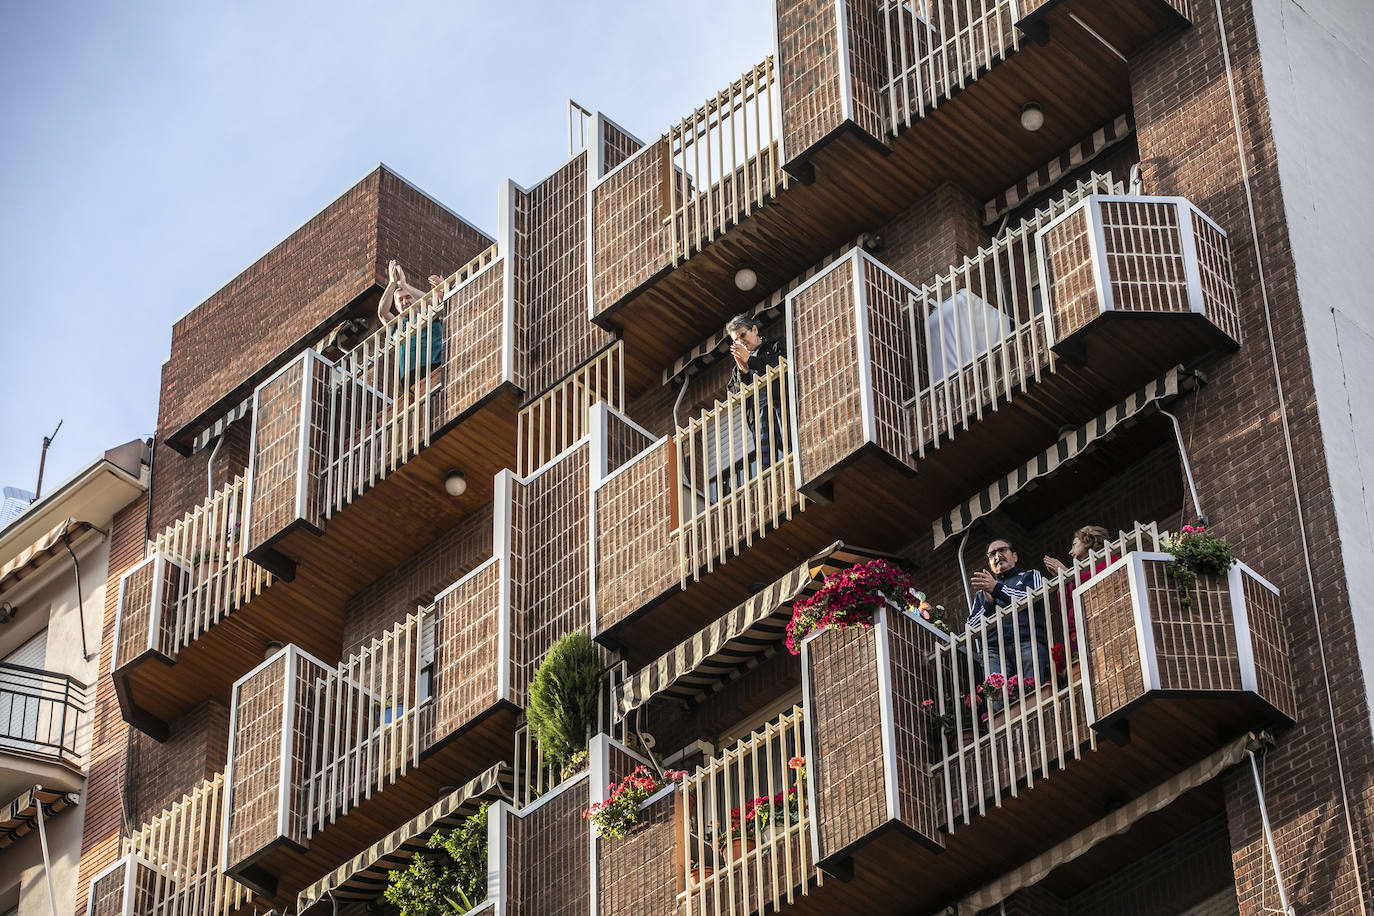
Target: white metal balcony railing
x=997, y=738
x=723, y=161
x=183, y=845
x=981, y=331
x=934, y=47
x=562, y=415
x=367, y=730
x=42, y=714
x=737, y=477
x=214, y=578
x=385, y=394
x=745, y=839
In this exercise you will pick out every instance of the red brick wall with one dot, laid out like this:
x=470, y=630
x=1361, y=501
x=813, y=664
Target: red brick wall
x=631, y=243
x=290, y=294
x=196, y=748
x=1188, y=147
x=550, y=858
x=555, y=336
x=636, y=557
x=639, y=874
x=109, y=738
x=937, y=232
x=675, y=728
x=415, y=581
x=808, y=72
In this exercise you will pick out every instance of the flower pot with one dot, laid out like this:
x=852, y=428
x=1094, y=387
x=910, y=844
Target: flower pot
x=739, y=846
x=699, y=875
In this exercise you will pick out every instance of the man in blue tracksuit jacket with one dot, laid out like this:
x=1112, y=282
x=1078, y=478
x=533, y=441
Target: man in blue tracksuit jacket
x=1002, y=583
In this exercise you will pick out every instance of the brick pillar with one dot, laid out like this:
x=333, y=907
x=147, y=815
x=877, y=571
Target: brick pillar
x=1188, y=147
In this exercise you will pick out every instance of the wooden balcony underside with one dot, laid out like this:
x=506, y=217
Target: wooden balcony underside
x=974, y=140
x=895, y=873
x=409, y=507
x=307, y=612
x=1122, y=354
x=452, y=763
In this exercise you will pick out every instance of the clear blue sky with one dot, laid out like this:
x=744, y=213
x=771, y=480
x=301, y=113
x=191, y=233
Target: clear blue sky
x=152, y=150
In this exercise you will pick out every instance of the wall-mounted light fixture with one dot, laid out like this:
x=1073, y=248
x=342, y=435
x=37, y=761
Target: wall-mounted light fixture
x=455, y=484
x=1032, y=118
x=746, y=279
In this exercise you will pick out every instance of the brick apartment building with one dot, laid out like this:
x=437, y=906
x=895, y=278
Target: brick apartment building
x=1036, y=265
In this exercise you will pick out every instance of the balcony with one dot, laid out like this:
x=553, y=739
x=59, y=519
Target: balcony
x=974, y=785
x=862, y=114
x=348, y=459
x=171, y=864
x=44, y=730
x=323, y=760
x=196, y=614
x=894, y=396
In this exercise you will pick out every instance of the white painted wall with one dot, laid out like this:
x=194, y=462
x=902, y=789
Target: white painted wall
x=1318, y=60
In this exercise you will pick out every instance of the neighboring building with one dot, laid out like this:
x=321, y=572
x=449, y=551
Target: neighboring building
x=1036, y=265
x=13, y=501
x=53, y=566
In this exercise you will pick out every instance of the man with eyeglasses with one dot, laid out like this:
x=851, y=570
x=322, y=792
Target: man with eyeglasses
x=1001, y=584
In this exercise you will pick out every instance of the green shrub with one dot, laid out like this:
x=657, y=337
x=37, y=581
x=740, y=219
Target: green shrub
x=563, y=697
x=452, y=882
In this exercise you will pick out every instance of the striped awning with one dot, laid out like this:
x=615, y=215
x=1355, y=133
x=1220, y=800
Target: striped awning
x=1114, y=824
x=1045, y=177
x=365, y=876
x=236, y=413
x=1070, y=445
x=39, y=552
x=731, y=644
x=21, y=815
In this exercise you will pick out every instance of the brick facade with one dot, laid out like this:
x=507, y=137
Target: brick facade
x=1253, y=420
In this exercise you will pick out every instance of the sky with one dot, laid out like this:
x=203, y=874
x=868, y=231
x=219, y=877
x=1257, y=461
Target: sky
x=150, y=151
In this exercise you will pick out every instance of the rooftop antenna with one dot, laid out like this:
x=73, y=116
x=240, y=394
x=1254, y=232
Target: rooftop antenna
x=43, y=459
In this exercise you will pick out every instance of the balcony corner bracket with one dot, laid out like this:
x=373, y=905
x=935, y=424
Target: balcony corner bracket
x=275, y=562
x=841, y=870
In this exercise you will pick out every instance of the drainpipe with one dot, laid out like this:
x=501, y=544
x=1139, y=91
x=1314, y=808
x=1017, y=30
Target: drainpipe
x=80, y=602
x=43, y=841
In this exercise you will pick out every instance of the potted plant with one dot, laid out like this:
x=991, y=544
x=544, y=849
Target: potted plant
x=620, y=811
x=848, y=599
x=1196, y=553
x=562, y=700
x=698, y=874
x=450, y=881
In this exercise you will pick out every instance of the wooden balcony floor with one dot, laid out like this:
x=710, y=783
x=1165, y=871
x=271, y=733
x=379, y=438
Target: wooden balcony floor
x=459, y=758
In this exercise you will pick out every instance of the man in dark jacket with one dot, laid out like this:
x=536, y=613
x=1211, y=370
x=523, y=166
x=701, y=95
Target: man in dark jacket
x=754, y=356
x=1023, y=635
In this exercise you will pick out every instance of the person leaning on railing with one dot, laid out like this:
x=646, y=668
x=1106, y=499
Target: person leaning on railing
x=1086, y=540
x=754, y=356
x=426, y=350
x=998, y=586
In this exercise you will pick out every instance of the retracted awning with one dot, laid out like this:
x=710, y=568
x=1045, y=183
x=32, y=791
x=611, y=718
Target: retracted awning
x=365, y=876
x=235, y=413
x=1114, y=824
x=39, y=552
x=1071, y=445
x=752, y=629
x=21, y=815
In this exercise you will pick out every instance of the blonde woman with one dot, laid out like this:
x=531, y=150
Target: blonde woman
x=1086, y=540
